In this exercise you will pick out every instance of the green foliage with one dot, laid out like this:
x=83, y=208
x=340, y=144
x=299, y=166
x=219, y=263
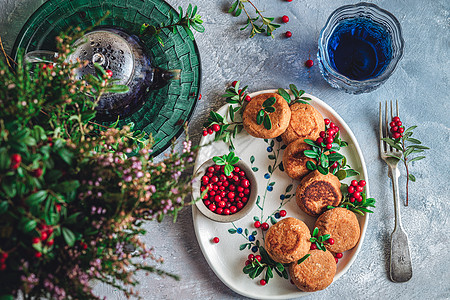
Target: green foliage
x=227, y=161
x=259, y=24
x=191, y=20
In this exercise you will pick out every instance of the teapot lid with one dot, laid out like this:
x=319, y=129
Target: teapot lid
x=110, y=49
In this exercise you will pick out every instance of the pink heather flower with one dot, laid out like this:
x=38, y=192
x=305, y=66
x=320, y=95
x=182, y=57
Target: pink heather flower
x=174, y=191
x=128, y=178
x=152, y=188
x=139, y=174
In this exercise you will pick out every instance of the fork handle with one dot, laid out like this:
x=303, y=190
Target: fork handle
x=394, y=174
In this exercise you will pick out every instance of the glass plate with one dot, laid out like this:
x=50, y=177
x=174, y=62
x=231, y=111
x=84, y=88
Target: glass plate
x=276, y=191
x=166, y=109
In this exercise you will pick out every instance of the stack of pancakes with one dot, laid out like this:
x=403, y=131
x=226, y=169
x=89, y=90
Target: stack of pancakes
x=288, y=240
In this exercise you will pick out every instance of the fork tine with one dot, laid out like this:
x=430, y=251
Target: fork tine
x=382, y=143
x=386, y=128
x=398, y=115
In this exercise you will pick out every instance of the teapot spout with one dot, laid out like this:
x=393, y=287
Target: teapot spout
x=162, y=77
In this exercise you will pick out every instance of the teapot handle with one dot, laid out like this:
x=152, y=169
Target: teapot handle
x=40, y=56
x=162, y=77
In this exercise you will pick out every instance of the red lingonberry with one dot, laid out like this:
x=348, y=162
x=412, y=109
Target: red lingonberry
x=44, y=235
x=329, y=146
x=37, y=254
x=262, y=282
x=35, y=240
x=336, y=259
x=248, y=98
x=359, y=189
x=234, y=83
x=330, y=241
x=313, y=246
x=257, y=224
x=245, y=183
x=394, y=129
x=351, y=189
x=16, y=158
x=399, y=123
x=319, y=140
x=258, y=258
x=309, y=63
x=327, y=121
x=354, y=183
x=352, y=199
x=226, y=211
x=288, y=34
x=50, y=242
x=285, y=19
x=329, y=140
x=264, y=226
x=396, y=135
x=362, y=183
x=334, y=165
x=109, y=73
x=212, y=207
x=219, y=210
x=339, y=255
x=216, y=127
x=251, y=257
x=205, y=133
x=200, y=97
x=210, y=131
x=392, y=124
x=247, y=262
x=216, y=240
x=401, y=130
x=239, y=91
x=283, y=213
x=356, y=195
x=396, y=119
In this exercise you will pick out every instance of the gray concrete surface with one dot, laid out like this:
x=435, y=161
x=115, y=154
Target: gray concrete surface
x=420, y=84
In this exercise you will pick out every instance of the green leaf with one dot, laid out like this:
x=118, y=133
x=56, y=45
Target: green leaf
x=228, y=169
x=269, y=102
x=415, y=141
x=247, y=269
x=303, y=258
x=335, y=157
x=66, y=155
x=69, y=236
x=418, y=147
x=6, y=297
x=311, y=166
x=232, y=230
x=322, y=170
x=243, y=246
x=233, y=7
x=270, y=109
x=315, y=231
x=351, y=172
x=409, y=129
x=267, y=122
x=36, y=198
x=3, y=207
x=284, y=94
x=27, y=225
x=4, y=159
x=341, y=174
x=416, y=158
x=260, y=117
x=311, y=154
x=310, y=142
x=238, y=12
x=66, y=186
x=412, y=177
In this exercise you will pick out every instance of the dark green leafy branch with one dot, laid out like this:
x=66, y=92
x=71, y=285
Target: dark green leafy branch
x=229, y=129
x=408, y=146
x=298, y=95
x=255, y=268
x=263, y=115
x=257, y=23
x=359, y=208
x=228, y=161
x=191, y=20
x=319, y=240
x=325, y=159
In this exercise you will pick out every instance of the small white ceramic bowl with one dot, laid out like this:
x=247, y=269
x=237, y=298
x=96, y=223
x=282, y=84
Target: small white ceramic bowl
x=224, y=218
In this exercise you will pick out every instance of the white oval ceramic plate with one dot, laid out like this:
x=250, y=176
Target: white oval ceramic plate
x=225, y=258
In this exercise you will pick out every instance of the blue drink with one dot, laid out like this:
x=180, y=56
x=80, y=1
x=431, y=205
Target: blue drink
x=359, y=49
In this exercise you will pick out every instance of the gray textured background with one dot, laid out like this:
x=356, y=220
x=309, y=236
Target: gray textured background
x=420, y=84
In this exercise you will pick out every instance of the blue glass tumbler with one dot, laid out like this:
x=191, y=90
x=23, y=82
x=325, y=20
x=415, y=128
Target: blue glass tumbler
x=359, y=47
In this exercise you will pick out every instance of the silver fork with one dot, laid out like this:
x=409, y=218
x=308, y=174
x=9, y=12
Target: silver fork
x=400, y=262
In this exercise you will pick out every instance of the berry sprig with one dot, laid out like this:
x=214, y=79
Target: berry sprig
x=238, y=6
x=227, y=161
x=256, y=264
x=263, y=115
x=355, y=199
x=317, y=241
x=325, y=151
x=402, y=141
x=298, y=95
x=226, y=128
x=189, y=21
